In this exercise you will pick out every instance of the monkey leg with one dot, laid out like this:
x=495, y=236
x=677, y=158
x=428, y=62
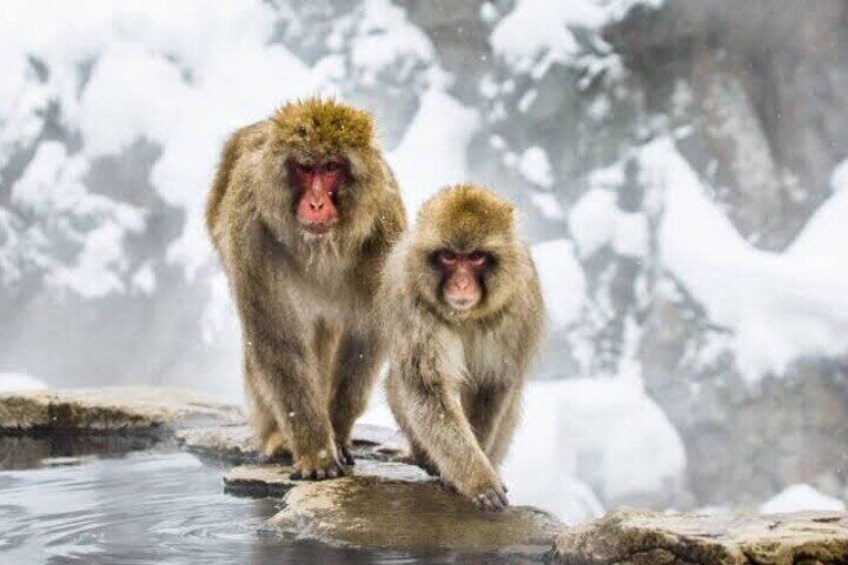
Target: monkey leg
x=486, y=408
x=501, y=437
x=289, y=383
x=325, y=344
x=272, y=440
x=357, y=366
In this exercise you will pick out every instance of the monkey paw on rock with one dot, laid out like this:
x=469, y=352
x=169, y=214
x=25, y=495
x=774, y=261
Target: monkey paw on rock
x=491, y=498
x=317, y=466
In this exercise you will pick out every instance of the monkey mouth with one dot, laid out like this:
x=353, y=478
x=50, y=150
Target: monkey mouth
x=461, y=304
x=318, y=229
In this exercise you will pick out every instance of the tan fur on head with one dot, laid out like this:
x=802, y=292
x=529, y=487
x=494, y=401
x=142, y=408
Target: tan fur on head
x=324, y=127
x=465, y=216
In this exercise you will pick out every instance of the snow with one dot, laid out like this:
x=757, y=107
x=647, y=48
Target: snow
x=592, y=221
x=20, y=381
x=537, y=33
x=631, y=234
x=799, y=497
x=432, y=153
x=535, y=167
x=388, y=38
x=538, y=29
x=562, y=279
x=52, y=185
x=548, y=205
x=604, y=434
x=779, y=306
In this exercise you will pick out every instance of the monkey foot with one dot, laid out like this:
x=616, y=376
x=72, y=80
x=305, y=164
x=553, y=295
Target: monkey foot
x=317, y=467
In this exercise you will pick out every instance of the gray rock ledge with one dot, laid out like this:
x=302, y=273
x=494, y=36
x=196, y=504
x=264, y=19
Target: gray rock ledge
x=258, y=481
x=236, y=445
x=109, y=409
x=642, y=538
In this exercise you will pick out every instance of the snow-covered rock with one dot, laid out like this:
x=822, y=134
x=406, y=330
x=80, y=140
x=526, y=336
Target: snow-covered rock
x=795, y=498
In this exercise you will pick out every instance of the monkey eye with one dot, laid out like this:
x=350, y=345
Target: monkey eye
x=478, y=258
x=305, y=168
x=447, y=257
x=333, y=166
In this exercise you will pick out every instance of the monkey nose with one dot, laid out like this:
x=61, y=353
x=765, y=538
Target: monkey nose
x=316, y=205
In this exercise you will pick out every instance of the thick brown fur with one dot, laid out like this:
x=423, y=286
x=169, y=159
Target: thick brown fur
x=311, y=345
x=456, y=377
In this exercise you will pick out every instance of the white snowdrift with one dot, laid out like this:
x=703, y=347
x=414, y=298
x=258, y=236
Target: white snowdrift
x=779, y=306
x=799, y=497
x=20, y=381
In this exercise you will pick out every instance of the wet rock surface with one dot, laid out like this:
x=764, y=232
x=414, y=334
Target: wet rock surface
x=398, y=507
x=639, y=537
x=109, y=409
x=273, y=479
x=235, y=444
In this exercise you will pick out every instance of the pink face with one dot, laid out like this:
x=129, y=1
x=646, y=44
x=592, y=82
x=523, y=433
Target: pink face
x=463, y=277
x=317, y=187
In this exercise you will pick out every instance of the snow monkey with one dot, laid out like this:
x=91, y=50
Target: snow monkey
x=463, y=316
x=303, y=211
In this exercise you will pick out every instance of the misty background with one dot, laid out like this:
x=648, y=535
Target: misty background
x=680, y=168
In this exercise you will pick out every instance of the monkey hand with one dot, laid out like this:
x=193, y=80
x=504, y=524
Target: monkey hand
x=488, y=494
x=491, y=498
x=317, y=466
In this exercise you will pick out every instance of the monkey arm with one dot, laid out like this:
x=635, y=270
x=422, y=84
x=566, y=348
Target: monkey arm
x=439, y=424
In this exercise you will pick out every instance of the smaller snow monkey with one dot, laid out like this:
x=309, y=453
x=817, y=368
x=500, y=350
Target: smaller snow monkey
x=463, y=316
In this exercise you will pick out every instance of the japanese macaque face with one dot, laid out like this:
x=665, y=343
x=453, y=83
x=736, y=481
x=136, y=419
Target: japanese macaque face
x=317, y=185
x=462, y=276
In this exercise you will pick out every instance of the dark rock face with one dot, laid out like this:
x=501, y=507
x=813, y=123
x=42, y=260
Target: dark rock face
x=767, y=79
x=637, y=537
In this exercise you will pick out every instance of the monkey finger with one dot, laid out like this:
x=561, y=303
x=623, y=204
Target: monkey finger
x=491, y=501
x=319, y=474
x=485, y=502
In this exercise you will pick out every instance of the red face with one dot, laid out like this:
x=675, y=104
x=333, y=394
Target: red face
x=317, y=186
x=462, y=276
